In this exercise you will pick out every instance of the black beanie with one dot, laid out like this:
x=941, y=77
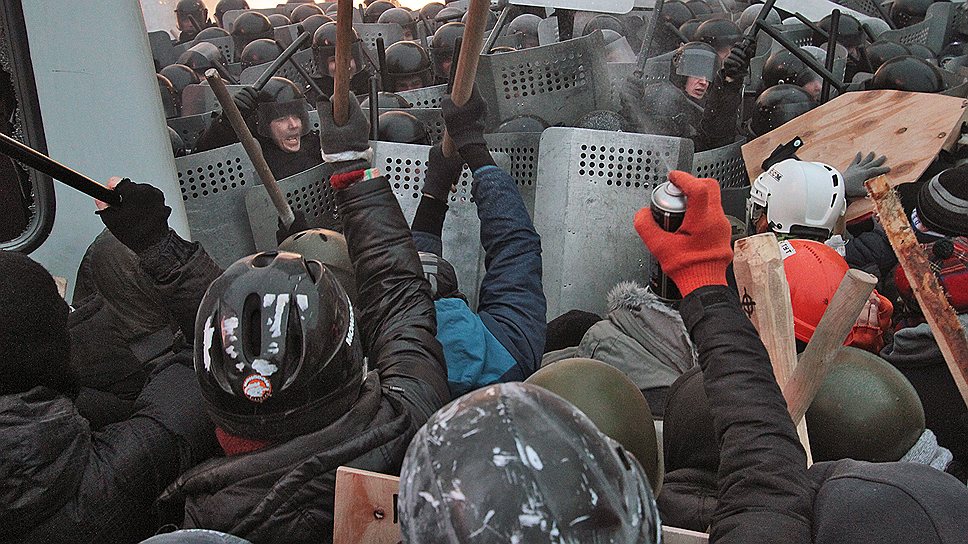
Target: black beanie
x=34, y=339
x=943, y=202
x=567, y=330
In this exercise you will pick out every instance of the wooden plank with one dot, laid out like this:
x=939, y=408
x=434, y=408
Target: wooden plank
x=942, y=318
x=909, y=128
x=765, y=296
x=365, y=508
x=828, y=337
x=673, y=535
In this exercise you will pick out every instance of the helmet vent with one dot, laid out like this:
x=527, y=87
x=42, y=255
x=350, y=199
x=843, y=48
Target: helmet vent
x=252, y=326
x=264, y=259
x=835, y=180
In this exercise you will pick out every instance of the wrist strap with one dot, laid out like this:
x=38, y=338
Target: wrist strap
x=346, y=156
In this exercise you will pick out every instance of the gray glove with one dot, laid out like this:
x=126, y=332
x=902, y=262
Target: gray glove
x=862, y=169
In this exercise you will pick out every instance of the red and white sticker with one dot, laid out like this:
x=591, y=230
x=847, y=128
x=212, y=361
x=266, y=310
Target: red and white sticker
x=257, y=388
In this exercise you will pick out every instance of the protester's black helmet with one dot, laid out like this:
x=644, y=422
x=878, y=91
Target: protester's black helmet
x=905, y=13
x=250, y=26
x=442, y=47
x=372, y=13
x=258, y=52
x=522, y=462
x=277, y=349
x=305, y=11
x=402, y=127
x=908, y=73
x=778, y=105
x=225, y=6
x=881, y=51
x=407, y=60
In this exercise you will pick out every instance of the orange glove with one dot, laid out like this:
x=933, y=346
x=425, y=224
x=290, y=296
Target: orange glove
x=699, y=252
x=875, y=318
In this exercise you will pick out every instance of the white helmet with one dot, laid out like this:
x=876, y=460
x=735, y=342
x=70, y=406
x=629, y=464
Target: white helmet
x=800, y=198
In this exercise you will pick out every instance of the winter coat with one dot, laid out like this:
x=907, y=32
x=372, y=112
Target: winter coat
x=505, y=339
x=284, y=493
x=642, y=337
x=765, y=492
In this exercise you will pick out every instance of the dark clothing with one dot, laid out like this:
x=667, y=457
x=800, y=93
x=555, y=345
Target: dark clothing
x=766, y=494
x=505, y=339
x=13, y=210
x=720, y=117
x=284, y=493
x=282, y=163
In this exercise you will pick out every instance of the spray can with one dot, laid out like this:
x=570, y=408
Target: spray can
x=668, y=209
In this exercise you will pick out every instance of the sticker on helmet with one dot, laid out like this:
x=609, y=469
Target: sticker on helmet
x=352, y=327
x=786, y=250
x=257, y=388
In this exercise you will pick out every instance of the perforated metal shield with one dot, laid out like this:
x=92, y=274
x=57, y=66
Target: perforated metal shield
x=370, y=32
x=304, y=58
x=930, y=32
x=427, y=97
x=590, y=184
x=522, y=150
x=548, y=31
x=225, y=44
x=725, y=164
x=190, y=127
x=286, y=34
x=557, y=82
x=200, y=98
x=404, y=166
x=618, y=74
x=867, y=7
x=604, y=6
x=308, y=192
x=162, y=48
x=213, y=185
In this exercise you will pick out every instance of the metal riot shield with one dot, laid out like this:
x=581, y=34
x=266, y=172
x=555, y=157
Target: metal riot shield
x=308, y=192
x=370, y=32
x=590, y=185
x=162, y=48
x=930, y=32
x=304, y=58
x=225, y=45
x=522, y=149
x=548, y=31
x=191, y=127
x=427, y=97
x=725, y=165
x=286, y=34
x=200, y=98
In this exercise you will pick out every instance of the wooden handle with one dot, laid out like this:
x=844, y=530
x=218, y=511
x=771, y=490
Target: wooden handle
x=470, y=54
x=941, y=317
x=252, y=147
x=344, y=53
x=765, y=296
x=828, y=337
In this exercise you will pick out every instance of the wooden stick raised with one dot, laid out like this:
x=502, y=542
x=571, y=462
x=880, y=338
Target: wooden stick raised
x=828, y=337
x=470, y=54
x=765, y=296
x=344, y=54
x=942, y=318
x=252, y=147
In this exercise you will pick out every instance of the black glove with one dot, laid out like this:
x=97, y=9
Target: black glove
x=353, y=136
x=246, y=99
x=298, y=225
x=141, y=220
x=737, y=63
x=442, y=174
x=465, y=125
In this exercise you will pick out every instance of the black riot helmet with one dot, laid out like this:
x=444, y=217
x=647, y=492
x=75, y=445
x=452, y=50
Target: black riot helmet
x=177, y=143
x=387, y=100
x=722, y=34
x=372, y=13
x=525, y=26
x=693, y=59
x=311, y=24
x=402, y=17
x=403, y=128
x=908, y=73
x=180, y=76
x=225, y=6
x=699, y=8
x=277, y=348
x=676, y=13
x=324, y=50
x=168, y=97
x=202, y=56
x=688, y=29
x=450, y=14
x=603, y=22
x=850, y=33
x=211, y=33
x=881, y=51
x=280, y=98
x=429, y=14
x=251, y=26
x=258, y=52
x=408, y=67
x=194, y=9
x=491, y=20
x=922, y=51
x=782, y=66
x=905, y=13
x=442, y=48
x=778, y=105
x=304, y=11
x=278, y=19
x=522, y=462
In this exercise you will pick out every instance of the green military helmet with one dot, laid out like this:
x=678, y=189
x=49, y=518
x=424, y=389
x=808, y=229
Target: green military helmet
x=610, y=399
x=328, y=247
x=865, y=410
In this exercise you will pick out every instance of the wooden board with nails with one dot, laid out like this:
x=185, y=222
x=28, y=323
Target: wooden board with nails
x=909, y=128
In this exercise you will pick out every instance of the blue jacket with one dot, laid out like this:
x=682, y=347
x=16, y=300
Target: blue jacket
x=505, y=339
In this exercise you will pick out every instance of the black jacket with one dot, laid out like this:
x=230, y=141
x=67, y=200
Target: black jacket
x=284, y=493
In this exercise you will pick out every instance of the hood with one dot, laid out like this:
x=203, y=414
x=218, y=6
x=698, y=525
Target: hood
x=916, y=346
x=44, y=444
x=688, y=431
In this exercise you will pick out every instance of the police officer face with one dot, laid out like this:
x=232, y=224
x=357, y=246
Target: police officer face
x=407, y=83
x=287, y=133
x=696, y=87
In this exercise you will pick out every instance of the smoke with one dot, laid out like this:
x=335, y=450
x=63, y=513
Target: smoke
x=160, y=15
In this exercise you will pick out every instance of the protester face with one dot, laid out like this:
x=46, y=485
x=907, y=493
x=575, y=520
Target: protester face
x=696, y=87
x=287, y=133
x=408, y=83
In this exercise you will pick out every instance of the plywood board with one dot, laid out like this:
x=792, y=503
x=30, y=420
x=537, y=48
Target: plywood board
x=909, y=128
x=365, y=507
